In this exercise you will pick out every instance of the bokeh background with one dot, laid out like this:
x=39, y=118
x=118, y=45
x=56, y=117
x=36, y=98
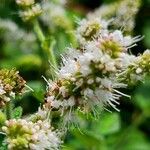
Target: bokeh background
x=19, y=48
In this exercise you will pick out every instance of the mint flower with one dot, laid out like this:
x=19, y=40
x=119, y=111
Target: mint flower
x=90, y=28
x=86, y=81
x=114, y=43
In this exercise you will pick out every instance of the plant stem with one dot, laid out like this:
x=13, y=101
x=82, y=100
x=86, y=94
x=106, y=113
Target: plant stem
x=39, y=32
x=47, y=46
x=8, y=110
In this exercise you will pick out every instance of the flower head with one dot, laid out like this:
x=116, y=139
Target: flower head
x=115, y=43
x=86, y=81
x=90, y=28
x=137, y=70
x=31, y=13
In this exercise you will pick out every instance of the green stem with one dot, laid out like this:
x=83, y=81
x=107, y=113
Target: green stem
x=39, y=32
x=8, y=110
x=51, y=54
x=73, y=39
x=46, y=46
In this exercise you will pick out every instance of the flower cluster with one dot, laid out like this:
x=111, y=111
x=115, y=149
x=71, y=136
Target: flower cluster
x=8, y=28
x=138, y=70
x=27, y=135
x=30, y=9
x=87, y=78
x=25, y=3
x=11, y=84
x=56, y=17
x=122, y=12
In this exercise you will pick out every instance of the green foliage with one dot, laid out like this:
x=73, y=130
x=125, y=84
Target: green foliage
x=17, y=112
x=2, y=118
x=108, y=123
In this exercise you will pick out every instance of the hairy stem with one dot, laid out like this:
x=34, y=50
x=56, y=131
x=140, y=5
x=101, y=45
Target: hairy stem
x=47, y=47
x=8, y=110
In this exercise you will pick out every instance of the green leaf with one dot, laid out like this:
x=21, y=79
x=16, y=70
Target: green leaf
x=87, y=141
x=3, y=145
x=109, y=123
x=17, y=112
x=146, y=32
x=142, y=99
x=38, y=89
x=2, y=118
x=132, y=139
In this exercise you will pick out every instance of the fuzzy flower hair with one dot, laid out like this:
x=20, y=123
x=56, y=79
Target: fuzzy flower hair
x=114, y=43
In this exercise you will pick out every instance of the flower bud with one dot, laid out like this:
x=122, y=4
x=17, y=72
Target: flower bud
x=31, y=13
x=25, y=3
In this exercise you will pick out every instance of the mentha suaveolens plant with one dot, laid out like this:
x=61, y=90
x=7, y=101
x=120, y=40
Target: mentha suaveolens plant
x=88, y=80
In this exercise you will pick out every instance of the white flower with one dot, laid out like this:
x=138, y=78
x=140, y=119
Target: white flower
x=138, y=70
x=55, y=17
x=2, y=91
x=68, y=68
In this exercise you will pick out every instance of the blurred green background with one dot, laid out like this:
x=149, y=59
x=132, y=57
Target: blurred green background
x=19, y=48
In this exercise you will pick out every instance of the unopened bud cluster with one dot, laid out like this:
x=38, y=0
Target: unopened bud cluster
x=30, y=9
x=27, y=135
x=138, y=70
x=11, y=84
x=25, y=3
